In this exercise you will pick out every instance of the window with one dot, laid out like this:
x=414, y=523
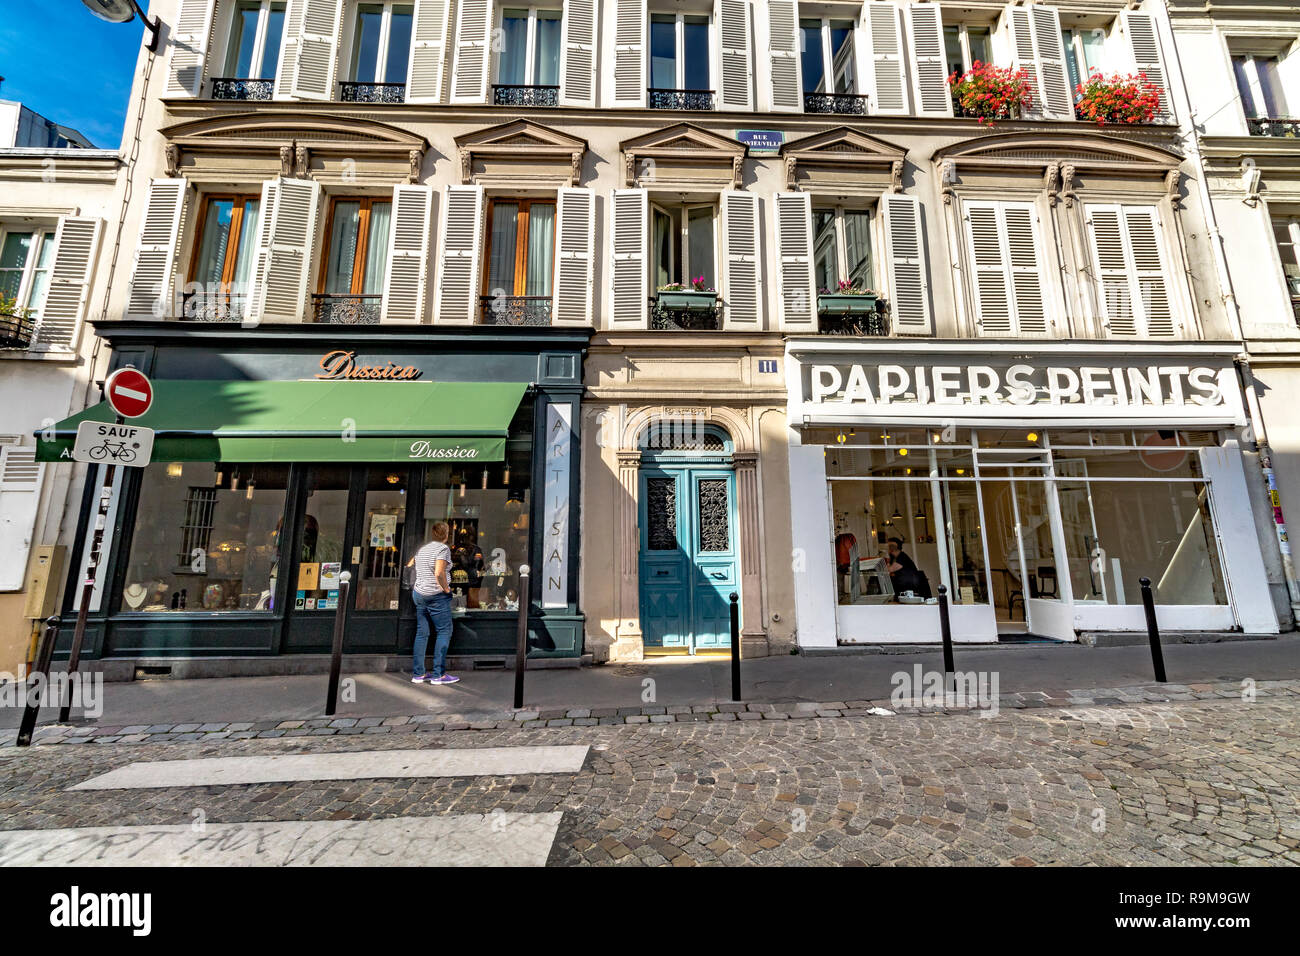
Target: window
x=207, y=538
x=223, y=259
x=682, y=245
x=255, y=38
x=25, y=260
x=842, y=247
x=965, y=45
x=530, y=47
x=520, y=257
x=1129, y=263
x=1260, y=86
x=353, y=278
x=679, y=52
x=381, y=43
x=1287, y=234
x=1005, y=267
x=825, y=41
x=1083, y=54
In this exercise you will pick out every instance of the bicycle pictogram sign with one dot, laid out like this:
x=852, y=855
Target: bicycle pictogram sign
x=109, y=444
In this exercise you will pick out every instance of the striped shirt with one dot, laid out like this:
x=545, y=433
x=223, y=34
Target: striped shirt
x=426, y=566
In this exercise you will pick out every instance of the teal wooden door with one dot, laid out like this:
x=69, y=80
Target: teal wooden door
x=688, y=557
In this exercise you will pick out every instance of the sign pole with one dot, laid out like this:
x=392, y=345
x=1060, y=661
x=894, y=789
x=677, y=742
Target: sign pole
x=88, y=589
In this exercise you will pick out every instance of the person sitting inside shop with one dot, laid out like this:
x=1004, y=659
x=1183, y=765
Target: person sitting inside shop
x=902, y=569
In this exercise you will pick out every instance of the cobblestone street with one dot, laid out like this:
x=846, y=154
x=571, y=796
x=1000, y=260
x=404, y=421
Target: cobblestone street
x=1182, y=782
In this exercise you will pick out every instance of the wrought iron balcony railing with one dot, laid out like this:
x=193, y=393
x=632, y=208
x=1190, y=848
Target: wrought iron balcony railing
x=331, y=309
x=16, y=331
x=835, y=103
x=1273, y=126
x=1010, y=111
x=214, y=306
x=372, y=92
x=680, y=99
x=508, y=95
x=231, y=88
x=515, y=309
x=856, y=324
x=663, y=319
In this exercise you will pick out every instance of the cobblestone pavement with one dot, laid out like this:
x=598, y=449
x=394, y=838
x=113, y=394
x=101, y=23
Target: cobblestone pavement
x=1183, y=782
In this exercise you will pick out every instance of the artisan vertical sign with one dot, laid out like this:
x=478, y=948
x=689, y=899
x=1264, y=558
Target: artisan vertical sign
x=555, y=565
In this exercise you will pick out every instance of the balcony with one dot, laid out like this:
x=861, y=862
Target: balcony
x=844, y=103
x=518, y=310
x=372, y=92
x=330, y=309
x=666, y=319
x=213, y=306
x=229, y=88
x=679, y=99
x=834, y=319
x=16, y=331
x=505, y=95
x=1273, y=126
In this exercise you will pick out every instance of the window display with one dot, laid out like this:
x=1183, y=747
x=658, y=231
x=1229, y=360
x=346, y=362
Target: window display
x=207, y=538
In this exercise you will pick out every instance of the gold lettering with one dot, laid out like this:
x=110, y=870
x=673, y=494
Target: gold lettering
x=342, y=363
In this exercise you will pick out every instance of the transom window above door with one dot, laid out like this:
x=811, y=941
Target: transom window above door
x=520, y=262
x=679, y=62
x=530, y=57
x=842, y=247
x=253, y=54
x=352, y=282
x=828, y=66
x=221, y=272
x=683, y=245
x=381, y=52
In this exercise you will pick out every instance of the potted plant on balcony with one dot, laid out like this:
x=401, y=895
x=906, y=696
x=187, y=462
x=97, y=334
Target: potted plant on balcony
x=1118, y=99
x=696, y=297
x=848, y=298
x=16, y=325
x=990, y=93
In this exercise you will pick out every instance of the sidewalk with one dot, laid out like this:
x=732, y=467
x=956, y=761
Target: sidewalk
x=1024, y=673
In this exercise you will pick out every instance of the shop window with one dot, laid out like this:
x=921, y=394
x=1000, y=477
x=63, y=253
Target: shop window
x=965, y=45
x=683, y=245
x=520, y=257
x=206, y=538
x=530, y=49
x=352, y=282
x=221, y=272
x=486, y=506
x=381, y=50
x=320, y=552
x=842, y=248
x=679, y=62
x=253, y=54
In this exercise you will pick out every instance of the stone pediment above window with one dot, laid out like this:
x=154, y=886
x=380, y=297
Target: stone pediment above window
x=845, y=161
x=683, y=155
x=1065, y=163
x=332, y=151
x=521, y=153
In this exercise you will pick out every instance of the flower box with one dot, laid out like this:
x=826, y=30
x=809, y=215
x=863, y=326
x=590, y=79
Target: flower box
x=835, y=303
x=16, y=331
x=687, y=301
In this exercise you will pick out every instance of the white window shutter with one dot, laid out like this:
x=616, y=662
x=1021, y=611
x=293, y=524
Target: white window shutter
x=317, y=53
x=629, y=276
x=469, y=72
x=1022, y=52
x=743, y=297
x=75, y=245
x=1142, y=226
x=988, y=266
x=153, y=276
x=1145, y=44
x=929, y=64
x=1029, y=306
x=783, y=55
x=882, y=31
x=261, y=253
x=287, y=68
x=1049, y=48
x=190, y=42
x=578, y=54
x=428, y=52
x=285, y=259
x=575, y=256
x=630, y=25
x=735, y=69
x=20, y=494
x=796, y=285
x=1106, y=232
x=459, y=251
x=905, y=251
x=406, y=282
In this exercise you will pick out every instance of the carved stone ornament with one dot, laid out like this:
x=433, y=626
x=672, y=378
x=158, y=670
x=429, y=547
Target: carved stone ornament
x=173, y=155
x=629, y=170
x=1067, y=185
x=896, y=176
x=575, y=168
x=1172, y=179
x=791, y=165
x=301, y=161
x=1051, y=182
x=466, y=166
x=416, y=157
x=949, y=178
x=737, y=171
x=286, y=161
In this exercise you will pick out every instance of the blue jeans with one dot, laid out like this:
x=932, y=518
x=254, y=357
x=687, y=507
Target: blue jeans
x=431, y=611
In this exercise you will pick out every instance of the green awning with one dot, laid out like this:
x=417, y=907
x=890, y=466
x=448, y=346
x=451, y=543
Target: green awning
x=314, y=421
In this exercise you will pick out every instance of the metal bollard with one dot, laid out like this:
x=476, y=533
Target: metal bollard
x=521, y=637
x=41, y=666
x=735, y=646
x=336, y=653
x=945, y=628
x=1153, y=630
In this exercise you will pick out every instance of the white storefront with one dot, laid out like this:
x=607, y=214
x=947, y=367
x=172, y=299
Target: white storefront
x=1037, y=484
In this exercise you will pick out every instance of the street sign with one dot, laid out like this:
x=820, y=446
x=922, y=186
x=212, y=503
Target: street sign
x=761, y=140
x=129, y=392
x=109, y=444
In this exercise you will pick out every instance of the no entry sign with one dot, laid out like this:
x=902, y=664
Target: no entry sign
x=129, y=392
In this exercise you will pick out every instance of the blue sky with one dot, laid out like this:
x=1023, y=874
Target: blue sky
x=65, y=63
